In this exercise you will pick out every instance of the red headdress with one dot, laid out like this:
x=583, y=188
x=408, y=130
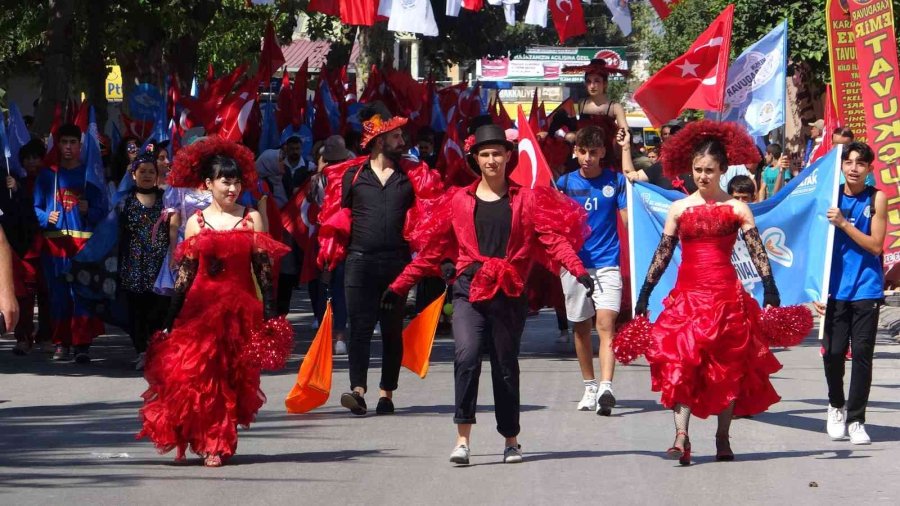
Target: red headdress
x=377, y=125
x=678, y=151
x=596, y=66
x=188, y=164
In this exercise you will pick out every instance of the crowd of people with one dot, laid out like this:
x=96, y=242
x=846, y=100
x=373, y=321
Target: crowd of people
x=212, y=248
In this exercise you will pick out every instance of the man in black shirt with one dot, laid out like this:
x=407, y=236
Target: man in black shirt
x=378, y=194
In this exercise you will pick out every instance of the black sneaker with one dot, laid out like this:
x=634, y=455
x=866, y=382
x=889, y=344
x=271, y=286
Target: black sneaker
x=81, y=354
x=605, y=403
x=354, y=402
x=385, y=406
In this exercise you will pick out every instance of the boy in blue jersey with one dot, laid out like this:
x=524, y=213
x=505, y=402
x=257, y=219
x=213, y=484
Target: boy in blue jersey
x=601, y=192
x=856, y=292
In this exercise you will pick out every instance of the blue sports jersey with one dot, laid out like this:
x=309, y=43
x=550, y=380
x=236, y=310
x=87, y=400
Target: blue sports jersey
x=601, y=197
x=856, y=274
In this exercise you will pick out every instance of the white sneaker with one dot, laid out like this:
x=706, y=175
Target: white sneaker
x=858, y=435
x=139, y=363
x=589, y=400
x=837, y=423
x=564, y=337
x=340, y=348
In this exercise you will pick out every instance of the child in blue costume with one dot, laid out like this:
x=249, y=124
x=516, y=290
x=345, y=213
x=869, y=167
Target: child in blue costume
x=67, y=208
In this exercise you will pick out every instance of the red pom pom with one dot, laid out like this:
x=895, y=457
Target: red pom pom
x=633, y=340
x=270, y=347
x=786, y=326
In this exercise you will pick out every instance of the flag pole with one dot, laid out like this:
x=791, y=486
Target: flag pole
x=8, y=171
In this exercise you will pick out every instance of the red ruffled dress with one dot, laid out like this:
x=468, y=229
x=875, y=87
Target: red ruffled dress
x=200, y=387
x=708, y=347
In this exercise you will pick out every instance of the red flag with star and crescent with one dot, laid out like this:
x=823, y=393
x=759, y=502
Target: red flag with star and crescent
x=568, y=17
x=694, y=80
x=532, y=169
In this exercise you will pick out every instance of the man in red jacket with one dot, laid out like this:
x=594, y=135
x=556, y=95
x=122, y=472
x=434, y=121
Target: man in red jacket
x=491, y=228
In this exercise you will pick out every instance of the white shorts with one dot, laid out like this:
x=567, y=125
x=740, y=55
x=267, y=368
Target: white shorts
x=607, y=293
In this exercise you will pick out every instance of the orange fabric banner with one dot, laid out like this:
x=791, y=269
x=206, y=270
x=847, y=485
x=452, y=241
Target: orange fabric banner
x=418, y=337
x=876, y=54
x=313, y=384
x=845, y=78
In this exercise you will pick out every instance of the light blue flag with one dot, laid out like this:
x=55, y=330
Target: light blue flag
x=270, y=135
x=792, y=225
x=18, y=136
x=755, y=95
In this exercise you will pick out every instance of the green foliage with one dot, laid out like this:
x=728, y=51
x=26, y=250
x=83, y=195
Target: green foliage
x=21, y=35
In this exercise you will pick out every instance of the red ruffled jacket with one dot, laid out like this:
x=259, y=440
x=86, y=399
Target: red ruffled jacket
x=541, y=218
x=336, y=222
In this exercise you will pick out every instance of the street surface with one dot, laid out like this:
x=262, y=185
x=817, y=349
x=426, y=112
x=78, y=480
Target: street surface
x=67, y=437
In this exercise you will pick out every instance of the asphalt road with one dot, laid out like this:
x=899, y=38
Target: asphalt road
x=67, y=437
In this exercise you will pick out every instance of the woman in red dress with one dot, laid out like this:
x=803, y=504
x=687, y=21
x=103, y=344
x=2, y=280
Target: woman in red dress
x=709, y=356
x=203, y=379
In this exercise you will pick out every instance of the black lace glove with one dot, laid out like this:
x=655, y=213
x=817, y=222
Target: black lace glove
x=184, y=278
x=661, y=259
x=262, y=269
x=390, y=299
x=448, y=270
x=761, y=261
x=588, y=282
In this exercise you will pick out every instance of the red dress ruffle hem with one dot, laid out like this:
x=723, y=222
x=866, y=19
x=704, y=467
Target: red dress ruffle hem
x=200, y=388
x=708, y=345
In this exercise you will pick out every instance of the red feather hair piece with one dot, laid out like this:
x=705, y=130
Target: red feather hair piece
x=188, y=164
x=678, y=152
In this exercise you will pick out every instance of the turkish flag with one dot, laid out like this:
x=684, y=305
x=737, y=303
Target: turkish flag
x=358, y=12
x=234, y=115
x=694, y=80
x=532, y=169
x=329, y=7
x=568, y=17
x=831, y=124
x=663, y=7
x=452, y=162
x=271, y=58
x=473, y=5
x=301, y=83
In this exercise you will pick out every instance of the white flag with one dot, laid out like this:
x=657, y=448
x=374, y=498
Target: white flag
x=453, y=7
x=537, y=13
x=414, y=16
x=509, y=11
x=621, y=14
x=384, y=8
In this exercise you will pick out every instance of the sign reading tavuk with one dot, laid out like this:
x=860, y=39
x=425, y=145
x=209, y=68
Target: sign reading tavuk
x=876, y=54
x=545, y=64
x=845, y=79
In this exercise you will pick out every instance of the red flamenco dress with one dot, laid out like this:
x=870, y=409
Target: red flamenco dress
x=201, y=385
x=708, y=349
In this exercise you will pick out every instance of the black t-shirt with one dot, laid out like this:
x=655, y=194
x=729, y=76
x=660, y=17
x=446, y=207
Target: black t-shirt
x=656, y=177
x=493, y=222
x=379, y=211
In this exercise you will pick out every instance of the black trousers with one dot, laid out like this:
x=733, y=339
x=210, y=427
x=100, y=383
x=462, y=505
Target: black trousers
x=146, y=312
x=286, y=285
x=496, y=326
x=850, y=324
x=366, y=277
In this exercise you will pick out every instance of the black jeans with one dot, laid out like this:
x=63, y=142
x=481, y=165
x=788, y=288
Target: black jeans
x=850, y=324
x=366, y=277
x=495, y=325
x=146, y=312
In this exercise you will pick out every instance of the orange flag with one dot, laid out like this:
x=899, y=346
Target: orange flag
x=313, y=384
x=418, y=337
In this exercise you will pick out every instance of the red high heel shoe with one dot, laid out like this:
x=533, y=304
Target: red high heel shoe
x=682, y=454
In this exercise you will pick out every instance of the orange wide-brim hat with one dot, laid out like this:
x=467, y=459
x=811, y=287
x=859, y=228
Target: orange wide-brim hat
x=376, y=125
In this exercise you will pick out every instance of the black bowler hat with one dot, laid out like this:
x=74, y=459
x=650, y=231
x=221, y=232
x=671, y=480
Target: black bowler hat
x=490, y=134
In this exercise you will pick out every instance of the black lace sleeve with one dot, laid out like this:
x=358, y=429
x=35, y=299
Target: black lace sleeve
x=262, y=269
x=761, y=261
x=184, y=278
x=658, y=265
